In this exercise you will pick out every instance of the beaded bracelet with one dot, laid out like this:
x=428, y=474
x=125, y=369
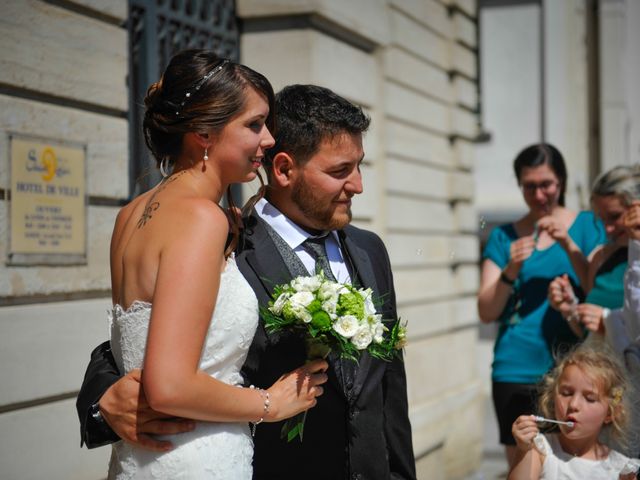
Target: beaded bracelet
x=265, y=408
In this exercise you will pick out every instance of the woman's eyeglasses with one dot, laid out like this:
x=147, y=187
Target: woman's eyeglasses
x=548, y=186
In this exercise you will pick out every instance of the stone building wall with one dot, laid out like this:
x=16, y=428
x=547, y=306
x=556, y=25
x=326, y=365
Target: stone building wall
x=410, y=63
x=63, y=72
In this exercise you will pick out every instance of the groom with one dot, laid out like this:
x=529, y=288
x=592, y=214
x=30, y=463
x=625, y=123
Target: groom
x=360, y=427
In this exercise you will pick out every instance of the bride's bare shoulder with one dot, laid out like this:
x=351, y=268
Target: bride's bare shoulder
x=131, y=210
x=198, y=212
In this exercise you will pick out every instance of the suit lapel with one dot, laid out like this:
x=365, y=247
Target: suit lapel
x=257, y=260
x=361, y=265
x=264, y=259
x=364, y=273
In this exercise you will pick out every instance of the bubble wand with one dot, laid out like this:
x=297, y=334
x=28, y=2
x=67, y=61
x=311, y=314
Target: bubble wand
x=548, y=420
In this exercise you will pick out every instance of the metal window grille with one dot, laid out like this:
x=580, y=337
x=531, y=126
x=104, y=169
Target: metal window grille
x=158, y=29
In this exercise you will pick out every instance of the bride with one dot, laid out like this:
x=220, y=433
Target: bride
x=182, y=310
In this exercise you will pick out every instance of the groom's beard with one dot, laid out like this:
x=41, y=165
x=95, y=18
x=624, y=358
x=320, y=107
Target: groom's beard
x=321, y=210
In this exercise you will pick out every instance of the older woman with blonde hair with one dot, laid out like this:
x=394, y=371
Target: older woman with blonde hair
x=612, y=192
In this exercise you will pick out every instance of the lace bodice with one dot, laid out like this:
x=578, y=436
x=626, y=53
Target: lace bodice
x=212, y=450
x=231, y=331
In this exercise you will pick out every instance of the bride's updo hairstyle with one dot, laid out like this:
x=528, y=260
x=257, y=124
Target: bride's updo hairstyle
x=198, y=92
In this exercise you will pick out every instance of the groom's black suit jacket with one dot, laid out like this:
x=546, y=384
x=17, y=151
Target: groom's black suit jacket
x=360, y=427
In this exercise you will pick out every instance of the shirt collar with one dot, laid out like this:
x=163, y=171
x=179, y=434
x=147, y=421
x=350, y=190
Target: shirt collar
x=283, y=226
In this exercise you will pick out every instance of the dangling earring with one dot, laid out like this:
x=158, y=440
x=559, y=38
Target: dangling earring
x=205, y=158
x=164, y=167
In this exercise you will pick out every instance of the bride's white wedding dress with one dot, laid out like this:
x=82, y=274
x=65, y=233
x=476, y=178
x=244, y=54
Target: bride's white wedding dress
x=213, y=451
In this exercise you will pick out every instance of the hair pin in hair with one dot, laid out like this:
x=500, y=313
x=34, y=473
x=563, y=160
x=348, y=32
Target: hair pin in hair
x=199, y=84
x=616, y=393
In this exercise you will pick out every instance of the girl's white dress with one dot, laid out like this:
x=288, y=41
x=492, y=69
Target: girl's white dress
x=559, y=465
x=213, y=451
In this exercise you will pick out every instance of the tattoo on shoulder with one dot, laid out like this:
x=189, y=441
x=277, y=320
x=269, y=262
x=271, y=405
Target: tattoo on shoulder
x=147, y=214
x=153, y=205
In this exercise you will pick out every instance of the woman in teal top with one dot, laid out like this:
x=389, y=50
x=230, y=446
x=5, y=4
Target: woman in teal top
x=608, y=264
x=529, y=334
x=519, y=262
x=608, y=290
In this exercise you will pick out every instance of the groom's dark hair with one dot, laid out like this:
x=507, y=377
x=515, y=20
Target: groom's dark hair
x=308, y=114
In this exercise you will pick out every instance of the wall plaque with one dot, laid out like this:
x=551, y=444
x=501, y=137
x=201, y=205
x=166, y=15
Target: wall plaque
x=48, y=202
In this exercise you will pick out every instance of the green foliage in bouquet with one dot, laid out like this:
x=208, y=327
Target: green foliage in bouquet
x=339, y=316
x=331, y=316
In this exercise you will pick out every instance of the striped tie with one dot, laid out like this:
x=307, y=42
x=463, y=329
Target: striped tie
x=315, y=247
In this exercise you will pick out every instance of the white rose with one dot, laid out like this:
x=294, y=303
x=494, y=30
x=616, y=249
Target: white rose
x=377, y=330
x=301, y=313
x=347, y=326
x=330, y=305
x=306, y=284
x=369, y=307
x=301, y=299
x=367, y=295
x=362, y=338
x=276, y=308
x=329, y=290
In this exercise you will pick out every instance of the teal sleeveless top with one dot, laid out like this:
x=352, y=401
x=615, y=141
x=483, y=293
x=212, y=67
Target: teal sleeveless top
x=530, y=330
x=608, y=285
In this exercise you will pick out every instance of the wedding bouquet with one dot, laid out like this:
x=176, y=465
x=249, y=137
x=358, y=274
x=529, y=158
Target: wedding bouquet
x=331, y=316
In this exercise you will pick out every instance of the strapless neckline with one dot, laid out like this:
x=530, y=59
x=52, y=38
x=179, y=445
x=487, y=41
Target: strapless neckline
x=215, y=451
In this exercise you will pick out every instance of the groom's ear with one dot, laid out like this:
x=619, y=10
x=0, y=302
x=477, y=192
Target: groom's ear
x=283, y=167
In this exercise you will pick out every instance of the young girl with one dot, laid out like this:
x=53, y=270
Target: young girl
x=587, y=390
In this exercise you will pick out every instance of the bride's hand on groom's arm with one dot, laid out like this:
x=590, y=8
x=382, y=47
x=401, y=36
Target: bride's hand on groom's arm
x=297, y=391
x=124, y=407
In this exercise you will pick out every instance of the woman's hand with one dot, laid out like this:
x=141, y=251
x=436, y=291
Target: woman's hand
x=524, y=430
x=555, y=229
x=520, y=250
x=561, y=295
x=296, y=391
x=590, y=316
x=631, y=219
x=125, y=409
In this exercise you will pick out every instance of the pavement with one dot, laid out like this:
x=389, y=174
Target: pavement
x=494, y=465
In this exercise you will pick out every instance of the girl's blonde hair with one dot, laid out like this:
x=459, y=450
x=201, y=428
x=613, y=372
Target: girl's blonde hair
x=599, y=364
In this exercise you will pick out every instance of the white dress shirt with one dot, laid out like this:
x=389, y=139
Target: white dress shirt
x=295, y=236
